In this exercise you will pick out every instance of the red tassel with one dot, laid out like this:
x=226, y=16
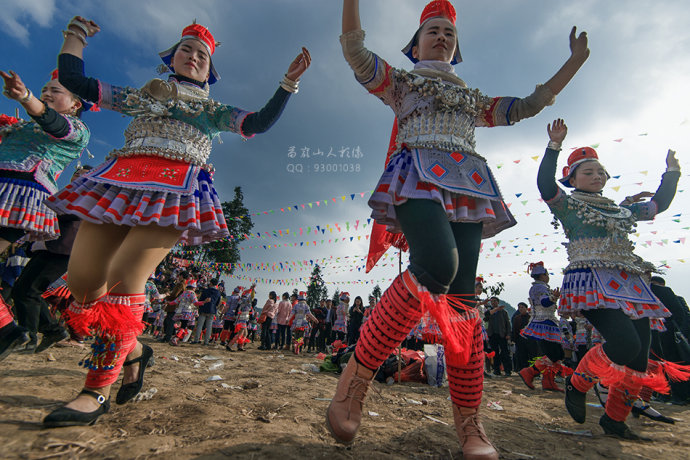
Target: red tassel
x=564, y=370
x=490, y=354
x=104, y=317
x=457, y=329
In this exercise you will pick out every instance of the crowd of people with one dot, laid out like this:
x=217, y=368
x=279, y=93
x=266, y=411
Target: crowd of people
x=112, y=228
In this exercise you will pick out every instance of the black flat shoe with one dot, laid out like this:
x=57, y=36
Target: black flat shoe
x=70, y=417
x=52, y=337
x=619, y=429
x=130, y=390
x=13, y=339
x=575, y=402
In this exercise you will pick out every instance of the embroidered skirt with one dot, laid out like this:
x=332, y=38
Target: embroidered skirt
x=145, y=190
x=23, y=206
x=543, y=330
x=401, y=181
x=185, y=315
x=591, y=289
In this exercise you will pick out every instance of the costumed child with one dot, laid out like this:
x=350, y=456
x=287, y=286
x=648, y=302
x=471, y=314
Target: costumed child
x=544, y=327
x=244, y=312
x=229, y=316
x=146, y=196
x=32, y=156
x=185, y=313
x=300, y=318
x=440, y=193
x=218, y=322
x=604, y=281
x=340, y=324
x=152, y=296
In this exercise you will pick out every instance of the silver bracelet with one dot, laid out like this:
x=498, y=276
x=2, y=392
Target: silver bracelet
x=553, y=145
x=289, y=85
x=79, y=25
x=672, y=168
x=27, y=97
x=67, y=33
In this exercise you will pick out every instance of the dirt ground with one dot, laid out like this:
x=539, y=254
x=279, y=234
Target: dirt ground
x=268, y=406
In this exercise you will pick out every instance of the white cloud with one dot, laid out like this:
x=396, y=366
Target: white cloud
x=18, y=14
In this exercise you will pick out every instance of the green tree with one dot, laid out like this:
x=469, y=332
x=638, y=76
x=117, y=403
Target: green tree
x=494, y=290
x=336, y=297
x=376, y=293
x=316, y=289
x=225, y=251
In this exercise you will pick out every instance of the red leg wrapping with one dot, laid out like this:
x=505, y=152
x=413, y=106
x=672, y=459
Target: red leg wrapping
x=111, y=349
x=391, y=320
x=466, y=382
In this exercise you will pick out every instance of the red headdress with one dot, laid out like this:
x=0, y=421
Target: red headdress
x=435, y=9
x=194, y=32
x=478, y=280
x=579, y=156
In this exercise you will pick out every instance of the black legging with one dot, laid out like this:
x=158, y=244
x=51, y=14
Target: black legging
x=552, y=350
x=627, y=340
x=437, y=246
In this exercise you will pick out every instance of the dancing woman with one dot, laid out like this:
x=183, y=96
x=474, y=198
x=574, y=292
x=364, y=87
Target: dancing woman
x=149, y=194
x=544, y=327
x=605, y=281
x=439, y=192
x=32, y=156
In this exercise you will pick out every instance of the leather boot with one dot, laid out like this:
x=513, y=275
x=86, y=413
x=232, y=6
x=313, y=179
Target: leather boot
x=345, y=411
x=528, y=374
x=548, y=380
x=475, y=443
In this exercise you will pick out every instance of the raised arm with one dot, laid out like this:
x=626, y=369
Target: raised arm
x=71, y=63
x=52, y=122
x=261, y=121
x=669, y=181
x=508, y=110
x=579, y=52
x=351, y=16
x=546, y=178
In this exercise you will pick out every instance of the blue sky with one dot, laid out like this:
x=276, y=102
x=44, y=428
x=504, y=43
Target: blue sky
x=631, y=98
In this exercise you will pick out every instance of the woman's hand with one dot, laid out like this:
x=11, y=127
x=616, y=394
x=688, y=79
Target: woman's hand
x=87, y=25
x=14, y=86
x=299, y=65
x=637, y=197
x=557, y=130
x=578, y=45
x=671, y=160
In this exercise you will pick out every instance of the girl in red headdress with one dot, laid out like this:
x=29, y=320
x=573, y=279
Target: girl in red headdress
x=606, y=282
x=32, y=156
x=147, y=196
x=440, y=193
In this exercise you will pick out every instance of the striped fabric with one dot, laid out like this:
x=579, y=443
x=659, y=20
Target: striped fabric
x=580, y=291
x=22, y=206
x=199, y=215
x=466, y=383
x=543, y=330
x=400, y=182
x=389, y=323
